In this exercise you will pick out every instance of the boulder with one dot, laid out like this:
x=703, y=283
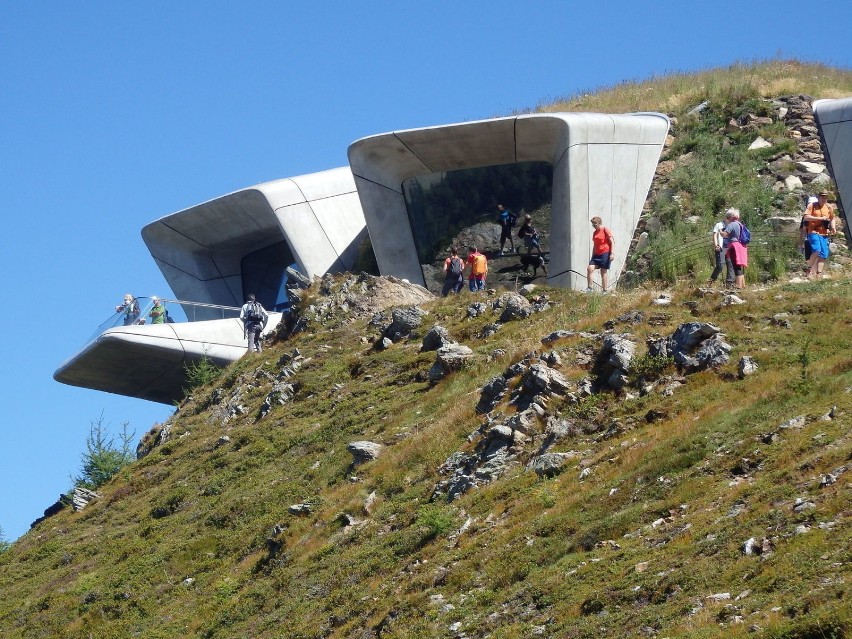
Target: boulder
x=364, y=451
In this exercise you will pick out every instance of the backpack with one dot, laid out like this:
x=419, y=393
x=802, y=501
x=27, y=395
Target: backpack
x=255, y=314
x=456, y=267
x=513, y=219
x=745, y=234
x=478, y=267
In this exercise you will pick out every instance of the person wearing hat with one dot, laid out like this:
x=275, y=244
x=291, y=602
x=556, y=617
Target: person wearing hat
x=158, y=312
x=819, y=225
x=804, y=247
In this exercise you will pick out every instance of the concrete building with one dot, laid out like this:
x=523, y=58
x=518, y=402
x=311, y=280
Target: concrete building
x=834, y=121
x=214, y=254
x=602, y=165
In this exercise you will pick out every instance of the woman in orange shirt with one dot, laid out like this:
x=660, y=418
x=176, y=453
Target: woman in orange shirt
x=602, y=243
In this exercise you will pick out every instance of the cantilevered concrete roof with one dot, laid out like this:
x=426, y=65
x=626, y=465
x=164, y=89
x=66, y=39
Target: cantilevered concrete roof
x=834, y=120
x=602, y=165
x=200, y=249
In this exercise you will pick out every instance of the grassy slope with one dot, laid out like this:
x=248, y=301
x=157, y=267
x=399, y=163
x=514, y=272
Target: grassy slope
x=183, y=542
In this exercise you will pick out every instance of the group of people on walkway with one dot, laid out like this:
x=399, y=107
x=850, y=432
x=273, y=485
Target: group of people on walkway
x=131, y=312
x=475, y=266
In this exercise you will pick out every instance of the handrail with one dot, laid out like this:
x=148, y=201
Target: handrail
x=139, y=313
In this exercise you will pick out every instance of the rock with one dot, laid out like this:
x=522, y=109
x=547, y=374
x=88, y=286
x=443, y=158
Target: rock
x=747, y=366
x=731, y=299
x=405, y=320
x=759, y=143
x=514, y=307
x=550, y=464
x=557, y=335
x=81, y=498
x=792, y=183
x=449, y=358
x=364, y=451
x=491, y=394
x=299, y=509
x=796, y=423
x=641, y=243
x=435, y=339
x=822, y=180
x=810, y=167
x=370, y=503
x=476, y=309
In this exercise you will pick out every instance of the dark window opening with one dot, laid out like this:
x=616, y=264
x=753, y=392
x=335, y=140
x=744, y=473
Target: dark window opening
x=265, y=274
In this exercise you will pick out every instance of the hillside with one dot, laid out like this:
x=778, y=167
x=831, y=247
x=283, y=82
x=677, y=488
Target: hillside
x=664, y=461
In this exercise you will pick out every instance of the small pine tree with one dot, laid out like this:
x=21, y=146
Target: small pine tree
x=4, y=545
x=103, y=459
x=200, y=373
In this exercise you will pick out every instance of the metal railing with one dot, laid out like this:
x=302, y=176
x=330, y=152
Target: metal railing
x=138, y=313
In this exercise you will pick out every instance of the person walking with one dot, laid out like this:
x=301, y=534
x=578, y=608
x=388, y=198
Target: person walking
x=507, y=221
x=478, y=269
x=453, y=273
x=737, y=253
x=529, y=235
x=602, y=247
x=254, y=319
x=820, y=224
x=719, y=254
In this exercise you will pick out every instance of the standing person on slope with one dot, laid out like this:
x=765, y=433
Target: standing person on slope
x=602, y=246
x=478, y=269
x=254, y=319
x=453, y=273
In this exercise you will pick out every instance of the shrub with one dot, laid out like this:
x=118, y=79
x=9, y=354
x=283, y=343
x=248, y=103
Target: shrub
x=103, y=458
x=200, y=373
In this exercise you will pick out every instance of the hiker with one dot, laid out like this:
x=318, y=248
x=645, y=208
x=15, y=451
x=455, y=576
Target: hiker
x=254, y=319
x=507, y=221
x=478, y=269
x=158, y=312
x=453, y=273
x=804, y=247
x=602, y=244
x=737, y=253
x=820, y=223
x=130, y=308
x=719, y=245
x=529, y=235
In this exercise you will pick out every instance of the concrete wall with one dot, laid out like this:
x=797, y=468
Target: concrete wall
x=602, y=165
x=834, y=120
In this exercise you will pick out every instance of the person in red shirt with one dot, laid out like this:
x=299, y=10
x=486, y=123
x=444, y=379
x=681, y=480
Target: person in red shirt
x=602, y=243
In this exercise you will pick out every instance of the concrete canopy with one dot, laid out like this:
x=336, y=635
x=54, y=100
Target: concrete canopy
x=602, y=165
x=834, y=120
x=200, y=249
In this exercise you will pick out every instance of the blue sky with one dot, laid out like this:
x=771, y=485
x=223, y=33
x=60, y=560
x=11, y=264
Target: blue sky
x=113, y=114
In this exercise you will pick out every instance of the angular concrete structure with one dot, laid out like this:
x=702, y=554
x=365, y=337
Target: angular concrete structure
x=148, y=361
x=218, y=251
x=602, y=165
x=834, y=121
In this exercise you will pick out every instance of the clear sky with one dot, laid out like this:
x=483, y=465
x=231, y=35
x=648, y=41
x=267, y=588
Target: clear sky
x=113, y=114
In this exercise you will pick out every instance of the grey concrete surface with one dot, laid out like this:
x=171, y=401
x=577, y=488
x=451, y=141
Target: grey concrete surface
x=149, y=361
x=199, y=250
x=603, y=165
x=834, y=121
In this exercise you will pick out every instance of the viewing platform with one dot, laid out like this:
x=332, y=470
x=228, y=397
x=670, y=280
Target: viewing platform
x=130, y=355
